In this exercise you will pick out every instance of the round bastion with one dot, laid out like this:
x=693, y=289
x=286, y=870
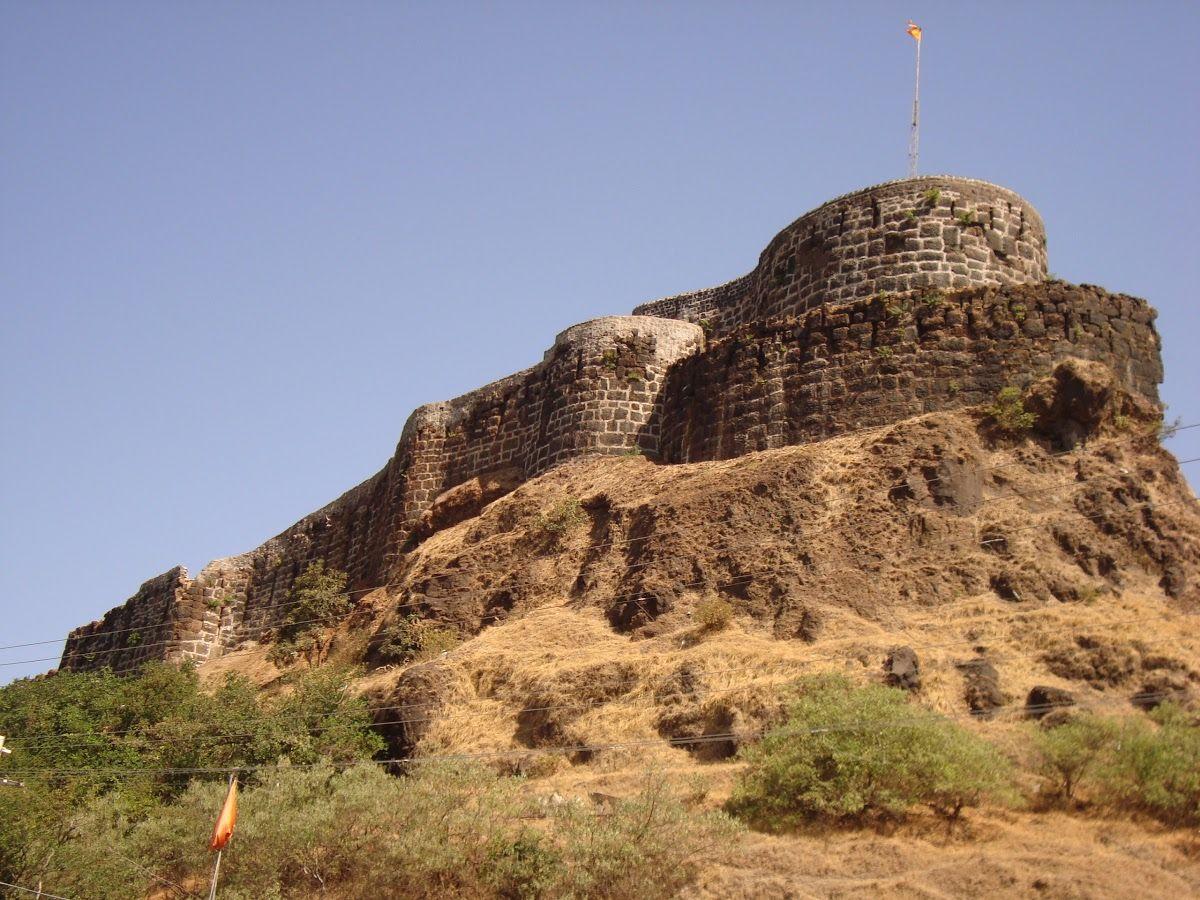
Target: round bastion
x=934, y=232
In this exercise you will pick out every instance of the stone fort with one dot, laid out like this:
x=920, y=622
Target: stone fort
x=908, y=297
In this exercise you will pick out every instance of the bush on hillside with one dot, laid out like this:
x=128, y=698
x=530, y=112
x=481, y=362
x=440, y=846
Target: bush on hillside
x=92, y=723
x=1150, y=766
x=1009, y=413
x=848, y=754
x=413, y=638
x=1070, y=753
x=714, y=614
x=564, y=516
x=318, y=599
x=447, y=830
x=1157, y=769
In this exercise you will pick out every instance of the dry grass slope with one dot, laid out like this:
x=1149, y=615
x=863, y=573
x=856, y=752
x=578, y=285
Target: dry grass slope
x=1067, y=558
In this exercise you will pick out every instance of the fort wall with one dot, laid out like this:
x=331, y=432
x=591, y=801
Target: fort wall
x=598, y=390
x=932, y=232
x=904, y=298
x=860, y=363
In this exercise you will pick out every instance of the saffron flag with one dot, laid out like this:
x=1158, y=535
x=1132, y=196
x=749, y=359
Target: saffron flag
x=914, y=29
x=223, y=830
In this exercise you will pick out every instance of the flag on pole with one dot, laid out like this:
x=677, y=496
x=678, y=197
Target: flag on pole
x=223, y=830
x=914, y=29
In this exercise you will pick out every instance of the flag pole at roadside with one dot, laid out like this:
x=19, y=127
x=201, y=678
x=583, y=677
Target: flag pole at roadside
x=223, y=830
x=914, y=135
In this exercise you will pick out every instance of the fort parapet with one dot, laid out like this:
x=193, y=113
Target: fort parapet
x=909, y=297
x=928, y=233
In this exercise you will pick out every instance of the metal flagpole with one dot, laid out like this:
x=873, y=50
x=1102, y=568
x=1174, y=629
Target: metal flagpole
x=212, y=887
x=914, y=137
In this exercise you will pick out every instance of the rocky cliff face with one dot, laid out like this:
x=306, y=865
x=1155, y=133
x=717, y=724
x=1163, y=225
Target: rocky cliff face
x=970, y=564
x=836, y=330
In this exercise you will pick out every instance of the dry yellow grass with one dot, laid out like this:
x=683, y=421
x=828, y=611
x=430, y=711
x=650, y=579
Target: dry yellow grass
x=584, y=638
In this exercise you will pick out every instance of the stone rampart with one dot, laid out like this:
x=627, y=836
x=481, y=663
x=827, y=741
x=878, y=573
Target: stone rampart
x=932, y=232
x=901, y=299
x=869, y=362
x=597, y=391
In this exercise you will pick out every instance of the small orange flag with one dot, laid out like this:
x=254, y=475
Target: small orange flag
x=914, y=29
x=223, y=830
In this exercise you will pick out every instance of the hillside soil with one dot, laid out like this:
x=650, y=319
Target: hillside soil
x=941, y=554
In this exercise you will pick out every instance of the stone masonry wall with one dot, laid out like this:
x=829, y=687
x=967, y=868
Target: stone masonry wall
x=597, y=390
x=869, y=362
x=914, y=234
x=904, y=298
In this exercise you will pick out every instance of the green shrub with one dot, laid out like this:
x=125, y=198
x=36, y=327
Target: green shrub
x=159, y=719
x=562, y=517
x=932, y=196
x=646, y=846
x=1009, y=413
x=713, y=614
x=1069, y=753
x=446, y=830
x=847, y=754
x=885, y=352
x=1157, y=769
x=318, y=598
x=1132, y=764
x=414, y=638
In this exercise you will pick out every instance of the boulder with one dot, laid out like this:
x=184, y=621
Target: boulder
x=1161, y=686
x=1081, y=398
x=902, y=669
x=1043, y=700
x=981, y=687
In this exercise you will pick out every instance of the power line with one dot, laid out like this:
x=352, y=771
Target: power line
x=38, y=891
x=51, y=740
x=602, y=545
x=799, y=534
x=930, y=718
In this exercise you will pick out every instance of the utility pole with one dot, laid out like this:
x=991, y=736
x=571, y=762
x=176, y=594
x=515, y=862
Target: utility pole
x=914, y=135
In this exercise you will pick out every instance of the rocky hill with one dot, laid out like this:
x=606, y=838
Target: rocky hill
x=913, y=296
x=995, y=575
x=894, y=450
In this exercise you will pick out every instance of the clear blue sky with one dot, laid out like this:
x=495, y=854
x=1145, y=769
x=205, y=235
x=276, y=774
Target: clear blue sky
x=240, y=242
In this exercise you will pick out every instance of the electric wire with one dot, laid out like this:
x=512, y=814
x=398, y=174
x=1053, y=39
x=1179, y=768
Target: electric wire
x=780, y=665
x=660, y=532
x=927, y=718
x=798, y=534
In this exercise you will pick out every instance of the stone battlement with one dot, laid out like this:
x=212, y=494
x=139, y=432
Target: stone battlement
x=879, y=305
x=933, y=232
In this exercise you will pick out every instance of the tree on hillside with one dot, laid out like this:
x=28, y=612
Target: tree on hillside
x=318, y=598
